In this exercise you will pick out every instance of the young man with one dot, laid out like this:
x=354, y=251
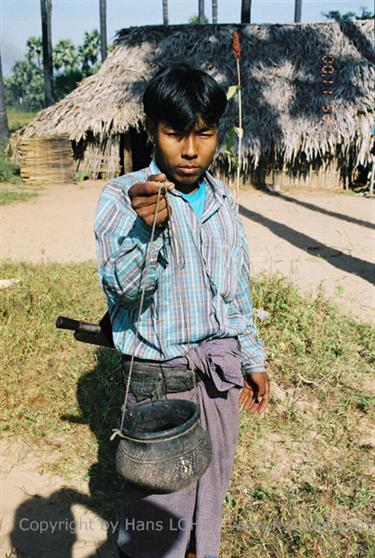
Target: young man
x=196, y=337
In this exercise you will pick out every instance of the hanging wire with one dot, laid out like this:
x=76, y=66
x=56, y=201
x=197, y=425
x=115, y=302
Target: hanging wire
x=118, y=431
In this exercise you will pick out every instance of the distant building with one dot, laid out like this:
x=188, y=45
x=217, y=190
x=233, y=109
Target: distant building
x=307, y=93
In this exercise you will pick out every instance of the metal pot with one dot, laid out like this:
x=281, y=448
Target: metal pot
x=164, y=448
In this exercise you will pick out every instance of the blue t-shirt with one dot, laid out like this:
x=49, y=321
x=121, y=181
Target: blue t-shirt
x=197, y=199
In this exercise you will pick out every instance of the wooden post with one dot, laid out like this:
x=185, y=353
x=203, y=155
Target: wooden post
x=372, y=176
x=127, y=154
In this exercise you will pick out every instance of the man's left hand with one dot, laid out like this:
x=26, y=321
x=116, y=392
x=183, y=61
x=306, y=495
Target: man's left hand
x=256, y=392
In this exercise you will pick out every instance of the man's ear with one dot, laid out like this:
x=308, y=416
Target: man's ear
x=150, y=128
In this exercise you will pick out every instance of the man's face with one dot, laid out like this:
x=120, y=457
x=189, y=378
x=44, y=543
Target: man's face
x=183, y=158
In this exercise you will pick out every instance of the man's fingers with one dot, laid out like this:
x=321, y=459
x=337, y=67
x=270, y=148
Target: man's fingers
x=156, y=177
x=148, y=188
x=265, y=397
x=149, y=210
x=141, y=201
x=254, y=403
x=246, y=392
x=161, y=217
x=253, y=407
x=246, y=397
x=151, y=201
x=263, y=404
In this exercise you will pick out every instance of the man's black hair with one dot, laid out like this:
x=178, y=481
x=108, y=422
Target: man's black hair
x=180, y=94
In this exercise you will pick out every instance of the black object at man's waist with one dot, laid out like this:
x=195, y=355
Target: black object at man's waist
x=155, y=379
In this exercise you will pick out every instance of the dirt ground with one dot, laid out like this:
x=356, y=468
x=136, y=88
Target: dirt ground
x=313, y=238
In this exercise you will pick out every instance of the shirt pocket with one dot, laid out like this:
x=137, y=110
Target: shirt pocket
x=223, y=265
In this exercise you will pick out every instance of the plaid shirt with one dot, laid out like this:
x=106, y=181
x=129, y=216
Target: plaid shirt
x=195, y=273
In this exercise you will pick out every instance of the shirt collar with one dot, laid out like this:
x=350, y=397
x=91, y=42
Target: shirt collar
x=218, y=188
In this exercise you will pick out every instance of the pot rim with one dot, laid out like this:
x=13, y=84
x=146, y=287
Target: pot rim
x=169, y=433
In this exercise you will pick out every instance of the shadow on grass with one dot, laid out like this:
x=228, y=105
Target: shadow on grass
x=46, y=527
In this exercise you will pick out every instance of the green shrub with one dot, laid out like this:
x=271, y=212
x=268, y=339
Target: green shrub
x=81, y=175
x=9, y=170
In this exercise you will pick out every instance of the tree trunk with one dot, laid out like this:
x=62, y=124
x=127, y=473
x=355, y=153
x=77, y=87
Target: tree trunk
x=246, y=11
x=46, y=9
x=4, y=130
x=214, y=11
x=103, y=28
x=201, y=10
x=165, y=12
x=297, y=11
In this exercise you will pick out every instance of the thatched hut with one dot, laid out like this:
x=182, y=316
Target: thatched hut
x=298, y=124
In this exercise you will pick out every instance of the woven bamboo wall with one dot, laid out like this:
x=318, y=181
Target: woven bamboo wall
x=47, y=160
x=102, y=161
x=326, y=177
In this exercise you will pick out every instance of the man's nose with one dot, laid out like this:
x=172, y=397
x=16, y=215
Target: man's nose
x=188, y=149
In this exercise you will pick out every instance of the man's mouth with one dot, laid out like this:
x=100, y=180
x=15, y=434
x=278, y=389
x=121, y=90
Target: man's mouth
x=188, y=169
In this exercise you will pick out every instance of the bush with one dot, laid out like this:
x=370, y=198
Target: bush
x=81, y=175
x=9, y=170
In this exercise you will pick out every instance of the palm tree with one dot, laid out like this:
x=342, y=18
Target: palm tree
x=4, y=130
x=165, y=12
x=337, y=16
x=201, y=15
x=297, y=11
x=246, y=11
x=35, y=50
x=89, y=51
x=103, y=28
x=65, y=55
x=46, y=9
x=214, y=11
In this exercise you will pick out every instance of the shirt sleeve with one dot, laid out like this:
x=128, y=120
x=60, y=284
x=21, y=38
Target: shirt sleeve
x=252, y=348
x=126, y=259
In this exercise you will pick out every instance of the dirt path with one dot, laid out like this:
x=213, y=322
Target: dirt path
x=312, y=238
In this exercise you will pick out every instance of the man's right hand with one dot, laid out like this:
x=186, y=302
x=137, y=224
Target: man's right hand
x=143, y=197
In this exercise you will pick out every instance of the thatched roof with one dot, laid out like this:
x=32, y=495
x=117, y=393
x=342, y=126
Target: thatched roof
x=282, y=86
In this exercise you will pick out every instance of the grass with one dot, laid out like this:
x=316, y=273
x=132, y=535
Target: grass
x=10, y=195
x=18, y=119
x=10, y=170
x=301, y=482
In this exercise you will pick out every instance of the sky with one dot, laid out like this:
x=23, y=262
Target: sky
x=20, y=19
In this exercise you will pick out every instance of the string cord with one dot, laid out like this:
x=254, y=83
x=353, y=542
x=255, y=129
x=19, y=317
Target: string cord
x=177, y=251
x=118, y=431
